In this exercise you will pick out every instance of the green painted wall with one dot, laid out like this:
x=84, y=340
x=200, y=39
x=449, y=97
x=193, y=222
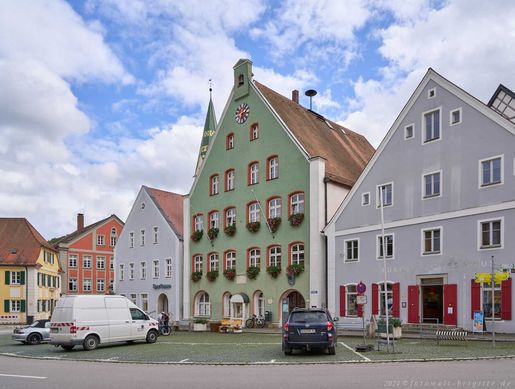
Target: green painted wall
x=293, y=176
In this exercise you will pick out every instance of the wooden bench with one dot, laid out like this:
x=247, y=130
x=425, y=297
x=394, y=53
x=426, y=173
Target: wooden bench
x=451, y=335
x=231, y=326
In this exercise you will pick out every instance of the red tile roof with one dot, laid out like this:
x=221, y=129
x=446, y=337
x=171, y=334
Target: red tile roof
x=75, y=234
x=170, y=206
x=346, y=152
x=20, y=242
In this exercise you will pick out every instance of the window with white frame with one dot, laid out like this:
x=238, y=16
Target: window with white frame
x=229, y=142
x=365, y=198
x=259, y=304
x=101, y=240
x=296, y=203
x=227, y=305
x=155, y=268
x=213, y=262
x=255, y=257
x=133, y=297
x=387, y=195
x=486, y=299
x=352, y=250
x=273, y=168
x=72, y=284
x=490, y=234
x=113, y=241
x=389, y=246
x=431, y=241
x=156, y=234
x=199, y=223
x=431, y=126
x=229, y=180
x=72, y=260
x=213, y=219
x=230, y=260
x=455, y=117
x=197, y=263
x=254, y=173
x=491, y=172
x=432, y=184
x=15, y=278
x=274, y=255
x=297, y=254
x=131, y=239
x=203, y=305
x=215, y=185
x=100, y=285
x=86, y=285
x=351, y=306
x=254, y=215
x=385, y=298
x=254, y=131
x=409, y=131
x=101, y=263
x=168, y=267
x=131, y=271
x=431, y=93
x=143, y=270
x=274, y=207
x=230, y=216
x=86, y=262
x=111, y=263
x=15, y=306
x=121, y=272
x=142, y=237
x=144, y=302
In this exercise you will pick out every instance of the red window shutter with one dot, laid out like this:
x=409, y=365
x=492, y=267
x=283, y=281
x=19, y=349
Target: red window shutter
x=475, y=304
x=342, y=300
x=375, y=302
x=396, y=290
x=506, y=300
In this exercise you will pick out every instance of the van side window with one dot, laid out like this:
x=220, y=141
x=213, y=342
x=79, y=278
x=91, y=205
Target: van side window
x=136, y=314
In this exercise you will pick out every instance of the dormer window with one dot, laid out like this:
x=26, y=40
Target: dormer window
x=241, y=80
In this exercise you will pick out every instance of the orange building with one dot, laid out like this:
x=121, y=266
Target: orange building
x=86, y=256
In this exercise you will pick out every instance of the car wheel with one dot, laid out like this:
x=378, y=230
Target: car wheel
x=34, y=339
x=331, y=350
x=152, y=336
x=67, y=347
x=90, y=343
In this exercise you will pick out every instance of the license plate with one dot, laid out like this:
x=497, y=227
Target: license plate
x=308, y=331
x=54, y=329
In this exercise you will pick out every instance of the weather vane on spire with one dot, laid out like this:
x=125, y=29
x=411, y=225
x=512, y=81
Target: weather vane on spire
x=210, y=87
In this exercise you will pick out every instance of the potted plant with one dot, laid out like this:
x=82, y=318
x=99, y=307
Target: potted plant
x=212, y=275
x=252, y=272
x=212, y=233
x=199, y=324
x=230, y=230
x=253, y=226
x=197, y=235
x=395, y=324
x=273, y=271
x=296, y=219
x=274, y=223
x=230, y=274
x=295, y=269
x=196, y=276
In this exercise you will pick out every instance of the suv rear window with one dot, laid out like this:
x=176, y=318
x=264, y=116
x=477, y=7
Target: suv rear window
x=308, y=317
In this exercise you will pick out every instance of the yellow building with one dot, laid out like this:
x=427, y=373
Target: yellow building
x=29, y=273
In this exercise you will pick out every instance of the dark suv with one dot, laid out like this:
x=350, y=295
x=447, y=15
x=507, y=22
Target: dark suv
x=309, y=329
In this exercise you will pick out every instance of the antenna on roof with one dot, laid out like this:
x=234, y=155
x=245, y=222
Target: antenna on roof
x=310, y=93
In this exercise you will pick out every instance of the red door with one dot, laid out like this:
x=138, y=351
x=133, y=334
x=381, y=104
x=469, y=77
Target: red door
x=450, y=304
x=413, y=304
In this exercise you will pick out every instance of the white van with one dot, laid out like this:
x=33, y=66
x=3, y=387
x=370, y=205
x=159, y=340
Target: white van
x=89, y=320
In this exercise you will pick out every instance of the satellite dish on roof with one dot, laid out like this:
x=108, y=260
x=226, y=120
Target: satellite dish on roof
x=310, y=93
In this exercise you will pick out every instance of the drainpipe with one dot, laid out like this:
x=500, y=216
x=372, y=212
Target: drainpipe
x=326, y=180
x=26, y=294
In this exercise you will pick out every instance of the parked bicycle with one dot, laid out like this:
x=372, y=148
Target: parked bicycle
x=255, y=321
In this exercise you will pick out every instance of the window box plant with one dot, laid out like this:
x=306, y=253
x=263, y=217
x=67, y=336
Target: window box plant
x=294, y=270
x=274, y=271
x=199, y=324
x=212, y=275
x=230, y=274
x=212, y=233
x=196, y=276
x=296, y=219
x=274, y=223
x=395, y=324
x=230, y=230
x=253, y=226
x=252, y=272
x=197, y=235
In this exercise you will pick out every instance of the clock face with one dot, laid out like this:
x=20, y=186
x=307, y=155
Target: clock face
x=242, y=113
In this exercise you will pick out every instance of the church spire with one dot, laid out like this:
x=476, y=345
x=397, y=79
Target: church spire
x=209, y=129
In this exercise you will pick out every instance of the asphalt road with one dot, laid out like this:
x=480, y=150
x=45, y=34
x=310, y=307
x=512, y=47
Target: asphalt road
x=27, y=373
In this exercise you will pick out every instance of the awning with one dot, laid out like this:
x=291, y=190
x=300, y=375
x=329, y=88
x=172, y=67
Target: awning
x=240, y=298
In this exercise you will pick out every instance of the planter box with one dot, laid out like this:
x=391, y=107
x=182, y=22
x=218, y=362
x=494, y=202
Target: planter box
x=199, y=327
x=397, y=331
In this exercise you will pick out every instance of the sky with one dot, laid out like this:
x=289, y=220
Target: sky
x=100, y=97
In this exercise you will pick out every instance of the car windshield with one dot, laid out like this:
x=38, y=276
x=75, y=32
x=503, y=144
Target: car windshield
x=35, y=324
x=308, y=317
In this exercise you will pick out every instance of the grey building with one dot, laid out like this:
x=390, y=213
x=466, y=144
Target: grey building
x=446, y=169
x=148, y=255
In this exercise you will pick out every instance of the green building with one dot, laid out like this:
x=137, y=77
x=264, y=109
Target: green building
x=273, y=175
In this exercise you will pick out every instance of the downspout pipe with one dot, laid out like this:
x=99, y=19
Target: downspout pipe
x=326, y=180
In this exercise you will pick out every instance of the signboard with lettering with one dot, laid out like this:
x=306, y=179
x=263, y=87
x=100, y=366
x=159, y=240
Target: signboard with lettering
x=361, y=299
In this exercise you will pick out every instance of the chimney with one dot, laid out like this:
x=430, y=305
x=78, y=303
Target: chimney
x=295, y=95
x=80, y=221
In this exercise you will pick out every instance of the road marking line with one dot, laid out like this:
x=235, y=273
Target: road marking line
x=23, y=376
x=184, y=360
x=219, y=344
x=272, y=361
x=355, y=352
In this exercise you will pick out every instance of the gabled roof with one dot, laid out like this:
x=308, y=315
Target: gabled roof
x=20, y=242
x=170, y=205
x=346, y=152
x=76, y=234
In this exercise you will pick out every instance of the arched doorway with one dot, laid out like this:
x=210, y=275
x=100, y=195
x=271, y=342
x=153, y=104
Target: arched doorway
x=162, y=303
x=240, y=307
x=290, y=300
